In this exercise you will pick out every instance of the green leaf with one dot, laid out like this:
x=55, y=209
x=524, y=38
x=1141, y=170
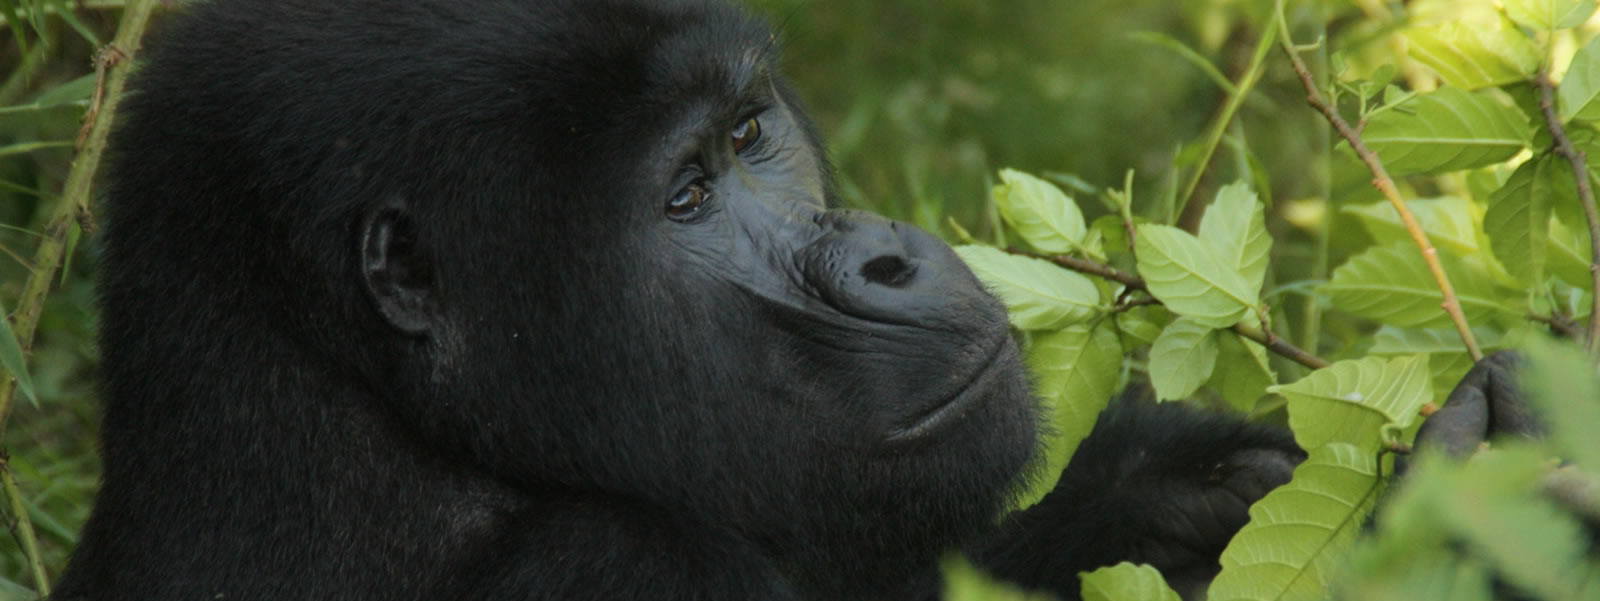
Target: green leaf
x=1446, y=130
x=1126, y=582
x=1392, y=285
x=1038, y=294
x=1579, y=94
x=1236, y=230
x=1045, y=216
x=1518, y=219
x=1353, y=401
x=1451, y=223
x=1295, y=543
x=1549, y=15
x=1249, y=371
x=1472, y=56
x=1188, y=277
x=1448, y=360
x=1563, y=383
x=12, y=360
x=964, y=582
x=1182, y=359
x=1076, y=370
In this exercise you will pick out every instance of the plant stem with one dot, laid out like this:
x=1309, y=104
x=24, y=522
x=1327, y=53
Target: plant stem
x=1261, y=336
x=1580, y=173
x=1247, y=82
x=1384, y=183
x=69, y=208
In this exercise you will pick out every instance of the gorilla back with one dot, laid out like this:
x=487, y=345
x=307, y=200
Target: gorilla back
x=496, y=299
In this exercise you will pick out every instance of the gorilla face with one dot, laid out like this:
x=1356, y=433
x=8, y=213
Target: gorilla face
x=683, y=316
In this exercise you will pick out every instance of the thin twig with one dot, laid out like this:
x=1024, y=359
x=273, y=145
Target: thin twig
x=69, y=208
x=1580, y=173
x=1261, y=336
x=1561, y=324
x=1384, y=183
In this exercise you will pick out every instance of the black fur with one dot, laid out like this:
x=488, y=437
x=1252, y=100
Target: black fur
x=394, y=308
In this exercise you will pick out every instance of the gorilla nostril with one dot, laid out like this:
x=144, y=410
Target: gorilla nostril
x=888, y=270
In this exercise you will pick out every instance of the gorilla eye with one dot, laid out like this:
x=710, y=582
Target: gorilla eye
x=745, y=134
x=688, y=201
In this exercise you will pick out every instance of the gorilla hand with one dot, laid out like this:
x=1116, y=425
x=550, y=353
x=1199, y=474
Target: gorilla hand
x=1166, y=485
x=1486, y=403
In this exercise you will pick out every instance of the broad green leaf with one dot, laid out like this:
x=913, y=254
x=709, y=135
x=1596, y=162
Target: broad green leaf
x=1451, y=223
x=1549, y=15
x=1182, y=359
x=1142, y=325
x=1446, y=130
x=1188, y=277
x=1248, y=374
x=1518, y=220
x=1076, y=370
x=12, y=360
x=1472, y=56
x=1235, y=229
x=1447, y=355
x=1353, y=401
x=1298, y=535
x=1567, y=253
x=1392, y=285
x=1045, y=216
x=1579, y=94
x=1126, y=582
x=1038, y=294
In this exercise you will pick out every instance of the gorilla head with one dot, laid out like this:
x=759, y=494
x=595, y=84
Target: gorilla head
x=388, y=280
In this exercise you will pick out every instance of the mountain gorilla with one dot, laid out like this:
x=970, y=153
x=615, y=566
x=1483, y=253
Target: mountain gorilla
x=499, y=299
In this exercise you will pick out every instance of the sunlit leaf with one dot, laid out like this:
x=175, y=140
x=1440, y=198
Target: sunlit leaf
x=1451, y=223
x=1392, y=285
x=1126, y=582
x=1446, y=130
x=1518, y=219
x=1549, y=14
x=1234, y=227
x=1353, y=401
x=1298, y=534
x=1188, y=277
x=964, y=582
x=1182, y=359
x=1448, y=360
x=1472, y=56
x=1076, y=370
x=1579, y=94
x=1038, y=294
x=1045, y=216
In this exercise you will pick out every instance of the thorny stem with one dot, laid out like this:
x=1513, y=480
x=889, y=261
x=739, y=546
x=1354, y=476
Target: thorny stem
x=1580, y=173
x=1261, y=336
x=70, y=209
x=1384, y=183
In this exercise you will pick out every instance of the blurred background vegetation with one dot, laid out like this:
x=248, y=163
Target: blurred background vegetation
x=921, y=101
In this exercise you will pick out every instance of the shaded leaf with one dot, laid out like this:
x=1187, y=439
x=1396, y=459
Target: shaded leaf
x=1077, y=369
x=1038, y=294
x=11, y=358
x=1248, y=374
x=1182, y=359
x=1446, y=130
x=1188, y=277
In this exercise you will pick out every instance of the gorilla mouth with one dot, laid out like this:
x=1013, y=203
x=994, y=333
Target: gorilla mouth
x=952, y=409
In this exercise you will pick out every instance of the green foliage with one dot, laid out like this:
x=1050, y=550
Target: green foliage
x=1126, y=581
x=1447, y=130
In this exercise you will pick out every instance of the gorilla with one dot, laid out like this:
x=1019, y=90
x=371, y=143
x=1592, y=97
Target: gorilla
x=499, y=299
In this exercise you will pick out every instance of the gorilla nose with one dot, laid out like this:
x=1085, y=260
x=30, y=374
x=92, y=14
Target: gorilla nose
x=868, y=266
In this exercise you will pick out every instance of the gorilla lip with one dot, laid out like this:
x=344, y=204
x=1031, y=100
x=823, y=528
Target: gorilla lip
x=952, y=409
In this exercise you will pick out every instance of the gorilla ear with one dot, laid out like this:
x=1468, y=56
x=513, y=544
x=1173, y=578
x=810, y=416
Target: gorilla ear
x=397, y=275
